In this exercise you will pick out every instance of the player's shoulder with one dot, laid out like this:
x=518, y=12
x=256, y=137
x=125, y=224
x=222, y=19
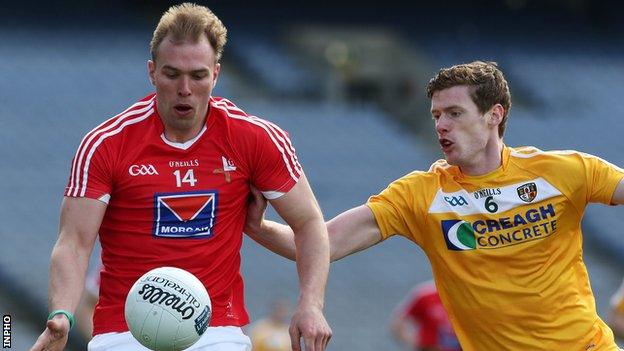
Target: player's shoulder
x=439, y=167
x=532, y=152
x=238, y=119
x=553, y=158
x=129, y=118
x=421, y=179
x=132, y=118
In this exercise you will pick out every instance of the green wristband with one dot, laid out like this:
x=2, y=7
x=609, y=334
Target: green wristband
x=67, y=314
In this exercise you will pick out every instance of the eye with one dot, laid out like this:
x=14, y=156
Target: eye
x=455, y=113
x=435, y=116
x=199, y=76
x=171, y=75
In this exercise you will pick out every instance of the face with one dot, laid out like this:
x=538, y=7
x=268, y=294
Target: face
x=468, y=138
x=184, y=75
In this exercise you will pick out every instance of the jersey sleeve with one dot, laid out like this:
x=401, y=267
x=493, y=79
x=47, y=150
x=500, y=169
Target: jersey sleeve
x=276, y=168
x=395, y=209
x=602, y=179
x=91, y=172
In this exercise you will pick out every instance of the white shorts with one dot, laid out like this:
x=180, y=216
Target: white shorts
x=214, y=339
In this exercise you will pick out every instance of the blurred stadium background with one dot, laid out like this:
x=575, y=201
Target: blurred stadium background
x=346, y=79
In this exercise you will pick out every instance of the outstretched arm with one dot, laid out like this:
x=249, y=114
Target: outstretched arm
x=301, y=211
x=274, y=236
x=79, y=225
x=618, y=195
x=349, y=232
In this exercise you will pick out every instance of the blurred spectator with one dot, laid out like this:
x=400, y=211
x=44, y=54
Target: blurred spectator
x=421, y=322
x=84, y=312
x=271, y=333
x=616, y=313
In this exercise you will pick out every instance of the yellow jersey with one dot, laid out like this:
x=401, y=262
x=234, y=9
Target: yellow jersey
x=267, y=335
x=506, y=247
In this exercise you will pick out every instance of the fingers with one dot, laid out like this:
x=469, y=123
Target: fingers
x=321, y=339
x=54, y=336
x=309, y=342
x=295, y=335
x=257, y=194
x=258, y=197
x=51, y=334
x=313, y=339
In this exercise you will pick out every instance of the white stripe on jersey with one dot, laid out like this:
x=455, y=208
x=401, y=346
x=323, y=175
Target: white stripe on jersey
x=466, y=203
x=75, y=173
x=278, y=132
x=281, y=135
x=101, y=139
x=272, y=195
x=530, y=151
x=75, y=181
x=256, y=121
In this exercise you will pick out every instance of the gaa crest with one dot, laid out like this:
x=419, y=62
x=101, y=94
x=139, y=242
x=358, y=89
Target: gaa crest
x=527, y=192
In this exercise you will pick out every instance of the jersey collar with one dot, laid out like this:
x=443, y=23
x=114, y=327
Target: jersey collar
x=498, y=172
x=187, y=144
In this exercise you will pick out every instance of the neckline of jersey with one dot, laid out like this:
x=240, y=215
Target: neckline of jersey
x=187, y=144
x=505, y=154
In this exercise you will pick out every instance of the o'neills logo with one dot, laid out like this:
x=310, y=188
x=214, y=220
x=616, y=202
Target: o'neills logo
x=156, y=295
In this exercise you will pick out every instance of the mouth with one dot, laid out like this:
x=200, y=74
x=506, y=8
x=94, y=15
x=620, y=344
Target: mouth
x=183, y=109
x=445, y=144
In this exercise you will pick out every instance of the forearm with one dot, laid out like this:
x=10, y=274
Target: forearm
x=276, y=237
x=312, y=248
x=68, y=266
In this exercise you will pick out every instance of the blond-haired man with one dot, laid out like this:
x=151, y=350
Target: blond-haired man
x=500, y=225
x=166, y=183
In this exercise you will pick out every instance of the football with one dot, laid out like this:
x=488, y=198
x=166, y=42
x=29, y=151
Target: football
x=167, y=309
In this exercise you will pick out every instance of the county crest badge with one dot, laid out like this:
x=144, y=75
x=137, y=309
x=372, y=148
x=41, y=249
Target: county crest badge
x=527, y=192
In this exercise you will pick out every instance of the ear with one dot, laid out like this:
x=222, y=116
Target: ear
x=151, y=70
x=215, y=74
x=495, y=115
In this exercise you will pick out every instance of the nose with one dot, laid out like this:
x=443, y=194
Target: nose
x=184, y=87
x=442, y=125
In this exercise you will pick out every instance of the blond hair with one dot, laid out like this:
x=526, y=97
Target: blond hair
x=487, y=86
x=189, y=21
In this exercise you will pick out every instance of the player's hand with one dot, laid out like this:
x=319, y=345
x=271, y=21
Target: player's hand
x=54, y=337
x=309, y=323
x=255, y=212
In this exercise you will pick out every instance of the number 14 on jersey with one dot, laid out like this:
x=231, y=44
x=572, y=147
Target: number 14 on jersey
x=189, y=177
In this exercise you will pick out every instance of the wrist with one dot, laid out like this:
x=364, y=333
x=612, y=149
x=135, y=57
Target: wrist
x=305, y=301
x=67, y=314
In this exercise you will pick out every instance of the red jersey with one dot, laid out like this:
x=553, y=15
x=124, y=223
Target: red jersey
x=178, y=204
x=425, y=309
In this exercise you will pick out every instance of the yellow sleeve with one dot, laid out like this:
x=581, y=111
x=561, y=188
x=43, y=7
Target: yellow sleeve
x=394, y=210
x=602, y=179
